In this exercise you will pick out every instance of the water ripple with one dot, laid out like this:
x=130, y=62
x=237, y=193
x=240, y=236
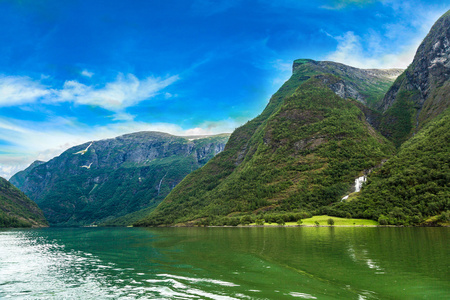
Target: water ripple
x=43, y=269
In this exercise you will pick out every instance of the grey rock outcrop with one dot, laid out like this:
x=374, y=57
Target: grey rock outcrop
x=364, y=85
x=421, y=92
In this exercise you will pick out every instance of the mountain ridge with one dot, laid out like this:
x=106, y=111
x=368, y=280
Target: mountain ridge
x=318, y=133
x=101, y=180
x=263, y=150
x=420, y=93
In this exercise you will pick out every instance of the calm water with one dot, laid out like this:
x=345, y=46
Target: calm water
x=225, y=263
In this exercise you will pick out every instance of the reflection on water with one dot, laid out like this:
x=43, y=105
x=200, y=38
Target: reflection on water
x=225, y=263
x=32, y=266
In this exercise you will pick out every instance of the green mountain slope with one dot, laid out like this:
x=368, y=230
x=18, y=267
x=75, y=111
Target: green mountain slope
x=304, y=151
x=102, y=180
x=319, y=132
x=16, y=209
x=412, y=185
x=421, y=92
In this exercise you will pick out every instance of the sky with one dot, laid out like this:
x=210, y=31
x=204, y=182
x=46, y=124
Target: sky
x=77, y=71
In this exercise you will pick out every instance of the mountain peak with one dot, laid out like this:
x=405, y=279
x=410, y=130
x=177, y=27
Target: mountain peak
x=420, y=93
x=353, y=71
x=364, y=85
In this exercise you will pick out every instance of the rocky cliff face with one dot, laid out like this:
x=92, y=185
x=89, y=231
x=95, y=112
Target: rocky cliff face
x=104, y=179
x=364, y=85
x=16, y=209
x=421, y=92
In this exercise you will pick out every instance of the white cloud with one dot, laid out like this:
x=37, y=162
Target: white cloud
x=125, y=91
x=283, y=71
x=16, y=90
x=28, y=141
x=86, y=73
x=392, y=46
x=350, y=51
x=9, y=167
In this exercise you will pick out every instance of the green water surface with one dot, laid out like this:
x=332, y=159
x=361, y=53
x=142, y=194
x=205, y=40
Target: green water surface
x=225, y=263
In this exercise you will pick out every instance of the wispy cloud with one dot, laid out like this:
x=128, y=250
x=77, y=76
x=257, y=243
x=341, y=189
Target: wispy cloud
x=27, y=141
x=125, y=91
x=16, y=90
x=282, y=71
x=87, y=73
x=394, y=44
x=371, y=51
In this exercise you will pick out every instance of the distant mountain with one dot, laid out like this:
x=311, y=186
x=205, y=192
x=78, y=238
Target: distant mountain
x=19, y=178
x=421, y=92
x=16, y=209
x=303, y=152
x=102, y=180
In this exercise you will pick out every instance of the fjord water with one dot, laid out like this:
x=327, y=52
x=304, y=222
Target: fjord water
x=225, y=263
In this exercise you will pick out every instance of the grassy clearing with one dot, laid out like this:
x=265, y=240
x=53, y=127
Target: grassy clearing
x=323, y=221
x=338, y=221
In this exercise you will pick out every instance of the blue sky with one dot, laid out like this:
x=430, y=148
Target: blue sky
x=76, y=71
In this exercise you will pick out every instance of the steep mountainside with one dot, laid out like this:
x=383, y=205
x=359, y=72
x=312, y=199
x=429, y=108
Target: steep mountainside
x=304, y=151
x=16, y=209
x=102, y=180
x=19, y=178
x=411, y=186
x=421, y=92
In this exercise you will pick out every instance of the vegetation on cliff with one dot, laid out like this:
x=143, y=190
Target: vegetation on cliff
x=303, y=152
x=16, y=209
x=421, y=92
x=413, y=185
x=318, y=133
x=103, y=180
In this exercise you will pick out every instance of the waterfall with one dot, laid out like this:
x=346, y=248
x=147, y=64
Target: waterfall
x=358, y=185
x=359, y=182
x=159, y=186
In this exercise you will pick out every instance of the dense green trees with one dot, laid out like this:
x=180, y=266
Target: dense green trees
x=313, y=139
x=412, y=185
x=16, y=210
x=303, y=156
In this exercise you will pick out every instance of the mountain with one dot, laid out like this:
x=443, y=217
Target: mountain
x=303, y=152
x=319, y=138
x=411, y=186
x=16, y=209
x=101, y=180
x=367, y=86
x=19, y=178
x=414, y=184
x=421, y=92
